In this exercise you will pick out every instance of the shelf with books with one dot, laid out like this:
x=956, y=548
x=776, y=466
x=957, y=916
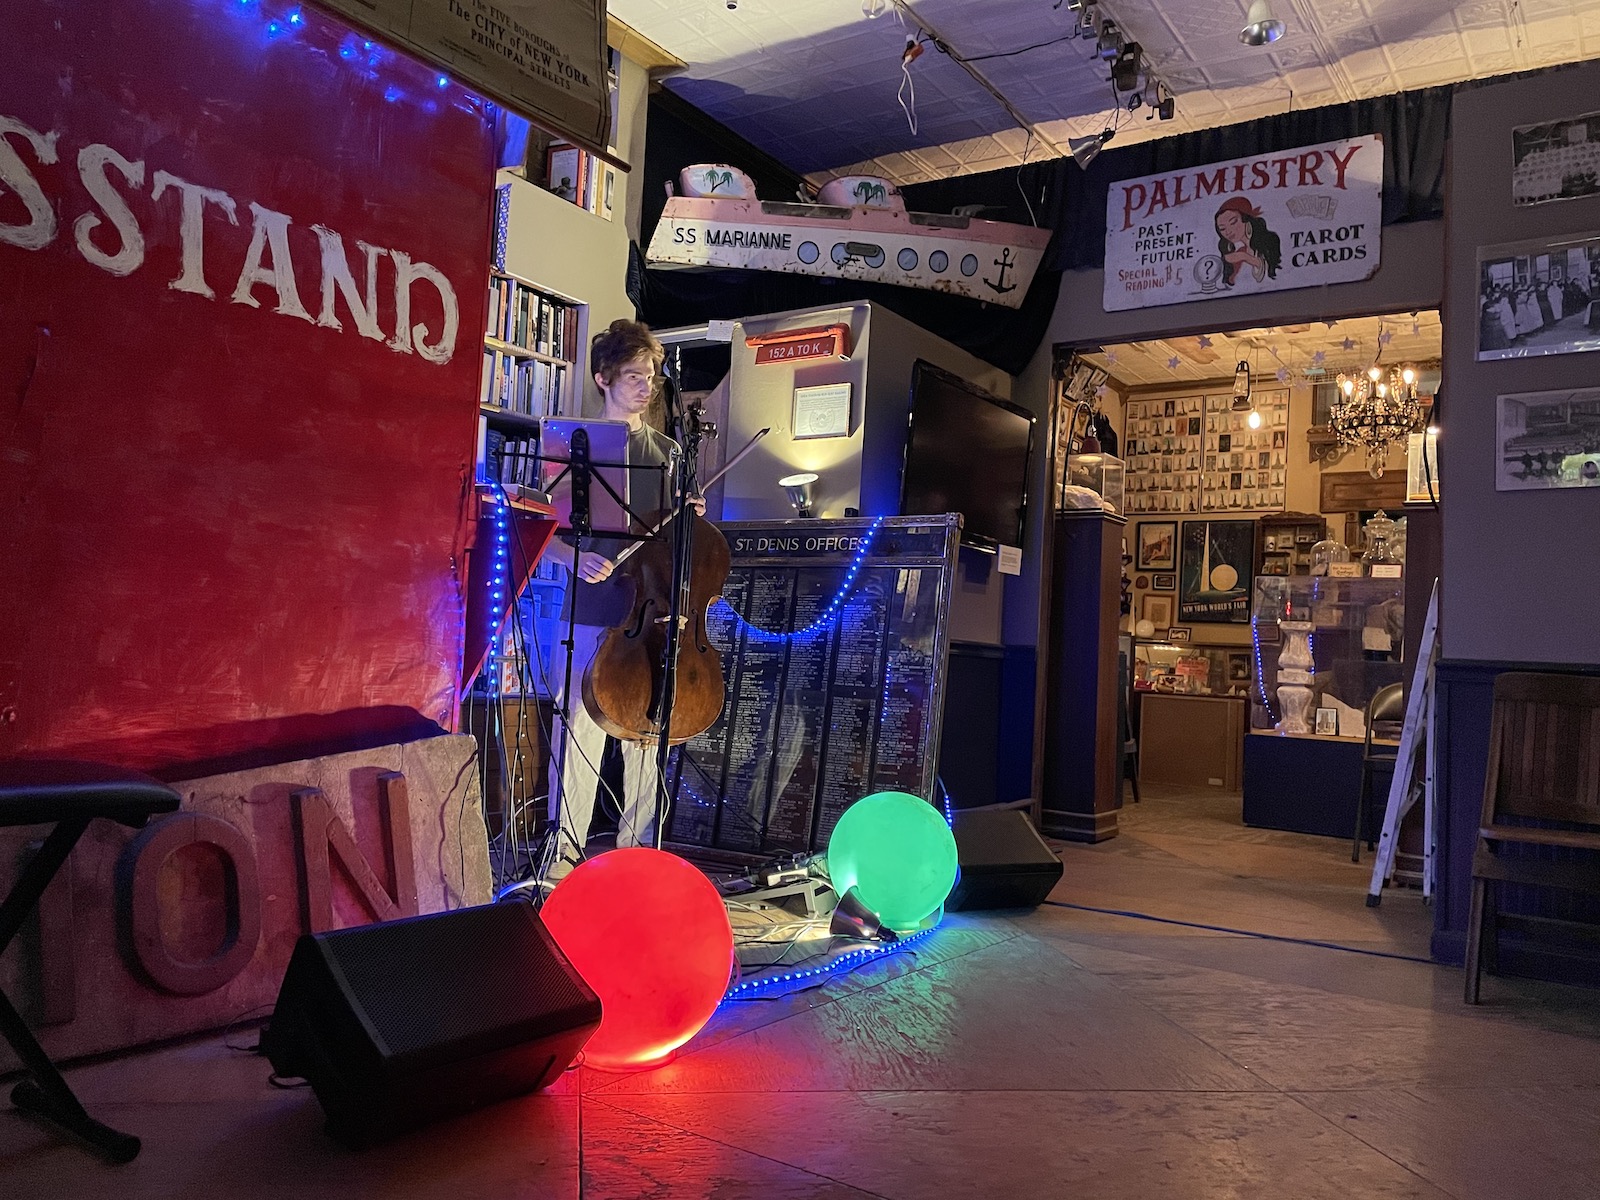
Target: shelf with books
x=530, y=349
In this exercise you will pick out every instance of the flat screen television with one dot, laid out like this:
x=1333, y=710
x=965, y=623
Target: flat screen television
x=967, y=452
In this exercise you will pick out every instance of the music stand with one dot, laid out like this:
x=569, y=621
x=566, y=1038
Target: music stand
x=583, y=453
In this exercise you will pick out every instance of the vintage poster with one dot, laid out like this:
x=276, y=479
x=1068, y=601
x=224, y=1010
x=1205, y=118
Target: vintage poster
x=1300, y=218
x=1214, y=571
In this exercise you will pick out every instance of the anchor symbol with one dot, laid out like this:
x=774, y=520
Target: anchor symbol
x=1005, y=263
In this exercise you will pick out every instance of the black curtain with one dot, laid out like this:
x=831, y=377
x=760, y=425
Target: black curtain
x=1056, y=193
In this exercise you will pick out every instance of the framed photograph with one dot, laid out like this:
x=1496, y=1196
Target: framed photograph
x=1556, y=161
x=1216, y=564
x=1327, y=722
x=1157, y=610
x=1167, y=582
x=1536, y=298
x=1157, y=546
x=1238, y=667
x=821, y=411
x=1178, y=633
x=1548, y=440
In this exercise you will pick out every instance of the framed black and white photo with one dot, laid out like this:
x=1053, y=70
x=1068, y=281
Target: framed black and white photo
x=1157, y=546
x=1327, y=722
x=1548, y=440
x=1559, y=160
x=1538, y=298
x=1165, y=582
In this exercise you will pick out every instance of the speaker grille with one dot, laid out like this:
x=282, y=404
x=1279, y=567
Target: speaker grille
x=433, y=988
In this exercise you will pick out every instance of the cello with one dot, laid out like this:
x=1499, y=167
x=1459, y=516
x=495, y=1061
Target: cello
x=629, y=682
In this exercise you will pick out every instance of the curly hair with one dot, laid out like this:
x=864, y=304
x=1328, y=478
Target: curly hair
x=619, y=345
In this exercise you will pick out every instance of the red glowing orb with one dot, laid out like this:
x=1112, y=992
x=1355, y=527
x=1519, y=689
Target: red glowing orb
x=651, y=936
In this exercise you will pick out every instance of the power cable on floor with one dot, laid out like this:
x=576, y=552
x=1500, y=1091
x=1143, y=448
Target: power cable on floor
x=1268, y=937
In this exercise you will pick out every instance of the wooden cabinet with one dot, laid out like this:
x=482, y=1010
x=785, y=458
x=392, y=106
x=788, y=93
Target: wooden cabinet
x=1193, y=741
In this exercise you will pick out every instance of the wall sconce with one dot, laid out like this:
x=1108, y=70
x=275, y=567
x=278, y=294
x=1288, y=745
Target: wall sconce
x=798, y=489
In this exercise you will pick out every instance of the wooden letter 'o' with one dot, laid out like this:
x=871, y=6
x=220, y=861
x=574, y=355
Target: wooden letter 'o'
x=149, y=853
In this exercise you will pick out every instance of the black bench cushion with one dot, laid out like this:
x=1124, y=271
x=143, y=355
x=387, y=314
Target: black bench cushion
x=33, y=792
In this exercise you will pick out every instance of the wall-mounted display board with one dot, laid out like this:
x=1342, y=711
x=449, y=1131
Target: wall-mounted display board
x=1194, y=454
x=835, y=688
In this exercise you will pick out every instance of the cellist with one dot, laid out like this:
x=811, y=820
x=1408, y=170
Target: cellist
x=626, y=359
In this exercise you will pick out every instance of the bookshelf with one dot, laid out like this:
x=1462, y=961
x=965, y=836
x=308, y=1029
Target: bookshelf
x=530, y=350
x=532, y=368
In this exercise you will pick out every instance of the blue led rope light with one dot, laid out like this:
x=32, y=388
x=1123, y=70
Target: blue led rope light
x=851, y=958
x=498, y=524
x=1261, y=677
x=830, y=612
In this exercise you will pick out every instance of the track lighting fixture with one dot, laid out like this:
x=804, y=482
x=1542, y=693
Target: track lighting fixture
x=1260, y=26
x=1129, y=64
x=1110, y=42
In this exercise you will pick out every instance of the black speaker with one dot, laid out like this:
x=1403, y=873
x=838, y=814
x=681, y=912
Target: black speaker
x=1004, y=861
x=399, y=1024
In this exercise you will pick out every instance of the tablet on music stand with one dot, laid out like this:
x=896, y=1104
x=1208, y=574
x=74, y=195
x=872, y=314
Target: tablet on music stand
x=608, y=452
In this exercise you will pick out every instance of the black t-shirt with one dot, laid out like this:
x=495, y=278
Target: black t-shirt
x=649, y=495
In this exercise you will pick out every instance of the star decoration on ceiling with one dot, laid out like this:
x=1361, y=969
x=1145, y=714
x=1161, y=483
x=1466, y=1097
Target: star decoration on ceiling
x=1172, y=363
x=1330, y=324
x=1385, y=337
x=1205, y=342
x=1111, y=356
x=1319, y=358
x=1348, y=343
x=1283, y=374
x=1416, y=329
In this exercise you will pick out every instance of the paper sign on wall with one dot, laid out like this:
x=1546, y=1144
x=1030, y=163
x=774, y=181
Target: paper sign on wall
x=1300, y=218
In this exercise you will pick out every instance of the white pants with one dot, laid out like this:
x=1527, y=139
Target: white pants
x=575, y=779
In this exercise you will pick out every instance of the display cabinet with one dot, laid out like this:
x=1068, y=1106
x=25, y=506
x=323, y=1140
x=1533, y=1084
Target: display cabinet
x=1286, y=541
x=1100, y=473
x=1188, y=670
x=1321, y=648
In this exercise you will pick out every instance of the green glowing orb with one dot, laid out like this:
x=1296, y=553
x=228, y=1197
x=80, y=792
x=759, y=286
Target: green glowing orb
x=897, y=851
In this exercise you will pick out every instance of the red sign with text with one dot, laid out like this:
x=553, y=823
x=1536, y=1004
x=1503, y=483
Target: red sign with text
x=243, y=269
x=792, y=345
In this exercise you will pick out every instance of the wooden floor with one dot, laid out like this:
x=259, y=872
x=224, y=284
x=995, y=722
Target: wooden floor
x=1057, y=1053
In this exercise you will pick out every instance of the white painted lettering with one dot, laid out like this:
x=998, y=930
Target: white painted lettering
x=269, y=229
x=406, y=336
x=336, y=275
x=92, y=163
x=191, y=228
x=40, y=230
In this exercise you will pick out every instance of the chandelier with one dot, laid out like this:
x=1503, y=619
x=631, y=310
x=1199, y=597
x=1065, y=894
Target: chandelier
x=1375, y=411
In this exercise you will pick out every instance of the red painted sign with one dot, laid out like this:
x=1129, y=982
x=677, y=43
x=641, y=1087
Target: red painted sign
x=832, y=341
x=243, y=268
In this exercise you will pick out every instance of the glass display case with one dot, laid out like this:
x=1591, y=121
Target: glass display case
x=1101, y=473
x=1184, y=670
x=1321, y=647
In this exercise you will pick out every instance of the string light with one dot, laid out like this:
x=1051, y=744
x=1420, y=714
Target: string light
x=837, y=965
x=499, y=530
x=831, y=611
x=1261, y=676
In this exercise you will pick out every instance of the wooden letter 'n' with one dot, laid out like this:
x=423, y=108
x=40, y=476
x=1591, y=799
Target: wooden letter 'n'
x=318, y=830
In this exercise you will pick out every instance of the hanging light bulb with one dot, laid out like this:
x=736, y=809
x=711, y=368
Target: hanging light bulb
x=1254, y=419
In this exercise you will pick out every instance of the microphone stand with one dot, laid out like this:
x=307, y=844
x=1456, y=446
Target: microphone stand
x=690, y=428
